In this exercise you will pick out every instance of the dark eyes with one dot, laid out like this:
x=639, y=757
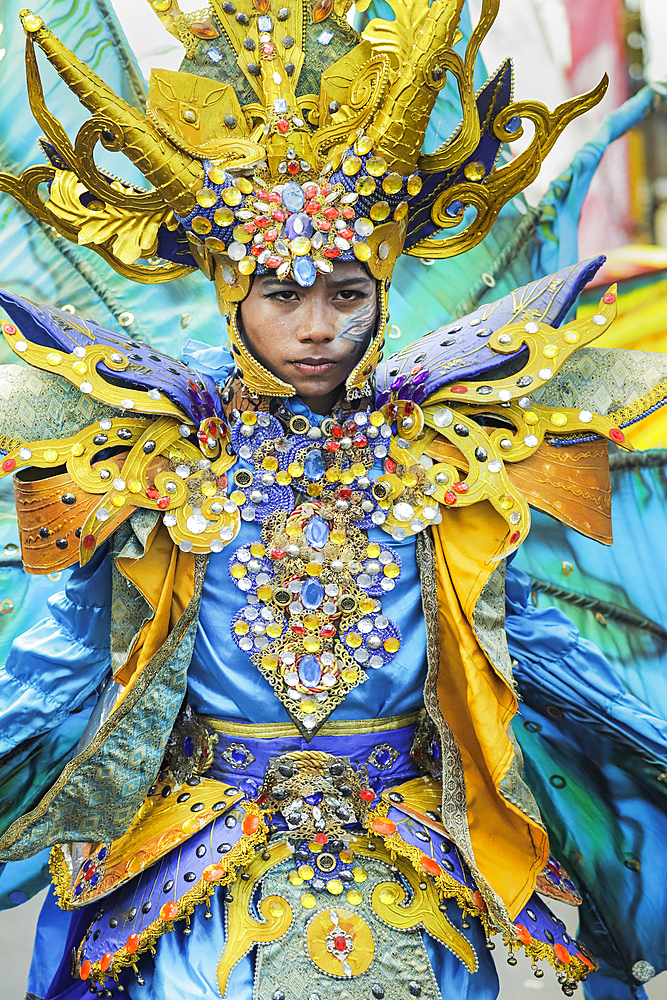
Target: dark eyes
x=344, y=295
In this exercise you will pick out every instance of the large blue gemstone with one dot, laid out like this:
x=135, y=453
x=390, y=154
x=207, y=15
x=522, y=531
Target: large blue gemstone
x=310, y=671
x=317, y=532
x=293, y=197
x=312, y=593
x=304, y=271
x=313, y=465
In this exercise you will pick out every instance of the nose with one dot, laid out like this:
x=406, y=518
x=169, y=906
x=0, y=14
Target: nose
x=316, y=322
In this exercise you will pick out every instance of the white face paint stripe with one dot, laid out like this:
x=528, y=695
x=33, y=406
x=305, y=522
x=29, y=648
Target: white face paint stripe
x=356, y=327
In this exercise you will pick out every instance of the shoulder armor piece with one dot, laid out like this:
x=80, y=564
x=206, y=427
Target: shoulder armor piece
x=463, y=348
x=109, y=367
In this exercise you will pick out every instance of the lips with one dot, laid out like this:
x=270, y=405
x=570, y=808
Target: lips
x=313, y=366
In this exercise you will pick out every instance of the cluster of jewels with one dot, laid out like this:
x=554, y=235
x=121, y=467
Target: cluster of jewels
x=300, y=229
x=313, y=621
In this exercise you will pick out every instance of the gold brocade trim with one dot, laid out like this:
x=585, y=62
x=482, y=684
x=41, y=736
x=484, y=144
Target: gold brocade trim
x=575, y=969
x=60, y=876
x=640, y=407
x=240, y=856
x=342, y=727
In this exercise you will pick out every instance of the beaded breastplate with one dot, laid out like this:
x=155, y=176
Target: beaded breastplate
x=313, y=622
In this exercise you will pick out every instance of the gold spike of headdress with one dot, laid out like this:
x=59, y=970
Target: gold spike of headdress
x=310, y=155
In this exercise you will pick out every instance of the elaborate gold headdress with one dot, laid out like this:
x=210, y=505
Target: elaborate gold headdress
x=286, y=142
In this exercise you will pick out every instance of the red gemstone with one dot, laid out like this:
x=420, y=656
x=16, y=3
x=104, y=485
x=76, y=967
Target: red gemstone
x=321, y=838
x=105, y=961
x=263, y=195
x=389, y=465
x=283, y=126
x=367, y=794
x=460, y=487
x=609, y=298
x=278, y=215
x=132, y=944
x=323, y=225
x=313, y=207
x=271, y=235
x=8, y=465
x=326, y=189
x=293, y=167
x=163, y=502
x=268, y=50
x=337, y=431
x=299, y=629
x=409, y=407
x=310, y=190
x=450, y=498
x=344, y=493
x=331, y=212
x=327, y=631
x=392, y=410
x=458, y=388
x=332, y=445
x=340, y=943
x=262, y=799
x=347, y=234
x=514, y=537
x=350, y=427
x=168, y=912
x=263, y=221
x=277, y=553
x=250, y=824
x=360, y=441
x=257, y=248
x=9, y=329
x=616, y=434
x=222, y=482
x=250, y=228
x=89, y=874
x=415, y=369
x=85, y=969
x=275, y=198
x=416, y=753
x=274, y=262
x=522, y=933
x=152, y=493
x=348, y=213
x=430, y=865
x=88, y=541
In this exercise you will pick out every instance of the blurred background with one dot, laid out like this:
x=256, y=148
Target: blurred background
x=559, y=48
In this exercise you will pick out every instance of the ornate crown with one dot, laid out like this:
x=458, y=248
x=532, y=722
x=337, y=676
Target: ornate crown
x=286, y=142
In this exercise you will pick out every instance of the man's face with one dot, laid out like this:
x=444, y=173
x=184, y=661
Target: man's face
x=313, y=337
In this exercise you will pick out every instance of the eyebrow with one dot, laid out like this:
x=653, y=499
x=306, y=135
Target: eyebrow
x=335, y=283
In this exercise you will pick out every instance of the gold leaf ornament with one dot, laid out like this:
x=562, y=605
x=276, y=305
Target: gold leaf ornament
x=129, y=235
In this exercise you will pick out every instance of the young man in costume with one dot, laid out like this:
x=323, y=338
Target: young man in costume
x=287, y=629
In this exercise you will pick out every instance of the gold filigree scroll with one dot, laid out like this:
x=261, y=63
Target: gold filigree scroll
x=129, y=235
x=366, y=93
x=244, y=931
x=389, y=900
x=489, y=195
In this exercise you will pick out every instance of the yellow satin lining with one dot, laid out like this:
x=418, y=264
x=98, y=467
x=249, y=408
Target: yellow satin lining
x=165, y=577
x=509, y=848
x=278, y=730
